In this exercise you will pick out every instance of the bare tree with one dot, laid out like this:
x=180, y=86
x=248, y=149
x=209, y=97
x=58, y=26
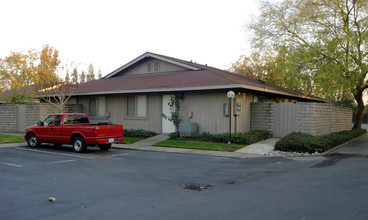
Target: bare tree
x=56, y=93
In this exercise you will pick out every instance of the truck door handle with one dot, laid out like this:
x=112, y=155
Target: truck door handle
x=52, y=128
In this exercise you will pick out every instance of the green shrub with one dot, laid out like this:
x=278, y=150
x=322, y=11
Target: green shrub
x=301, y=143
x=174, y=135
x=138, y=133
x=236, y=138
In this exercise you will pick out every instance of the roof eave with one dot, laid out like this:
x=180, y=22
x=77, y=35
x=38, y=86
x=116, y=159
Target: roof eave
x=197, y=88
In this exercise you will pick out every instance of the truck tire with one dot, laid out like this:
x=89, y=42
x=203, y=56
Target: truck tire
x=79, y=145
x=104, y=147
x=32, y=141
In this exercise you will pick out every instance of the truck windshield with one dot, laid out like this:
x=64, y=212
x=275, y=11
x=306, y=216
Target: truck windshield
x=75, y=119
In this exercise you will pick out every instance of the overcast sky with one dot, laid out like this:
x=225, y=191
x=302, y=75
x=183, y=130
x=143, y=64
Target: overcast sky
x=111, y=33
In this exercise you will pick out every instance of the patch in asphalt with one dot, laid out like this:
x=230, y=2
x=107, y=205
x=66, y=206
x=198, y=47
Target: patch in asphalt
x=332, y=159
x=196, y=187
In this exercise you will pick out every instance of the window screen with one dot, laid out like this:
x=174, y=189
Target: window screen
x=97, y=106
x=137, y=106
x=131, y=106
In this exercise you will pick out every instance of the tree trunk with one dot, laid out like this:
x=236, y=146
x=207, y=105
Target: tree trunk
x=359, y=118
x=60, y=107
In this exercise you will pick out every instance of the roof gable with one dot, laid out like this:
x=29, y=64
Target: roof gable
x=153, y=63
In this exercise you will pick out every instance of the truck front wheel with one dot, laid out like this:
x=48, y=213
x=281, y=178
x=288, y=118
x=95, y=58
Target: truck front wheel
x=32, y=141
x=79, y=145
x=104, y=147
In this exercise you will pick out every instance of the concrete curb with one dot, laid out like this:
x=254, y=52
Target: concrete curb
x=146, y=145
x=342, y=145
x=189, y=151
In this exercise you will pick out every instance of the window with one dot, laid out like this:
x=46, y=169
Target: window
x=153, y=67
x=149, y=67
x=97, y=106
x=156, y=67
x=137, y=106
x=75, y=119
x=58, y=120
x=49, y=120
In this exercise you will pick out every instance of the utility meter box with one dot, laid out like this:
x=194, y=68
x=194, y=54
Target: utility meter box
x=188, y=129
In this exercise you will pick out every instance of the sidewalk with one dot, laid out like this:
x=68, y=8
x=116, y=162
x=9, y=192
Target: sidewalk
x=146, y=145
x=262, y=148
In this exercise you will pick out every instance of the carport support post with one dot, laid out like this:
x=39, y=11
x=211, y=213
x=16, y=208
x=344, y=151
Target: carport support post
x=230, y=95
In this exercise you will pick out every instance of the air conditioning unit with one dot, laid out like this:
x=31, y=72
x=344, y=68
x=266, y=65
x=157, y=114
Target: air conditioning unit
x=188, y=129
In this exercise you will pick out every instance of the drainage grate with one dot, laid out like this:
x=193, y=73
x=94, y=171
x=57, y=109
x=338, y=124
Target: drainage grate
x=193, y=186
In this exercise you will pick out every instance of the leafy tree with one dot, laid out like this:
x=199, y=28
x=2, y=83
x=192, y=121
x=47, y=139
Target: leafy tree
x=99, y=76
x=18, y=69
x=90, y=74
x=247, y=66
x=67, y=77
x=24, y=69
x=25, y=74
x=50, y=88
x=75, y=76
x=20, y=96
x=316, y=46
x=47, y=69
x=82, y=77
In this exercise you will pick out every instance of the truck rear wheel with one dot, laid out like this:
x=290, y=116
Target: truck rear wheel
x=79, y=145
x=104, y=147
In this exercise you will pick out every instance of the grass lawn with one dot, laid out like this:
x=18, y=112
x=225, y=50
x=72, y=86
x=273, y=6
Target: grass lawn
x=132, y=140
x=5, y=138
x=199, y=145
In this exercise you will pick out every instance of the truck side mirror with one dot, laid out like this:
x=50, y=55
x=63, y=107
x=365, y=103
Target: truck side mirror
x=40, y=123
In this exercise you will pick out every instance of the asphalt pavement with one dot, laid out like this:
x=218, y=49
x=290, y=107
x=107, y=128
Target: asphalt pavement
x=145, y=184
x=136, y=184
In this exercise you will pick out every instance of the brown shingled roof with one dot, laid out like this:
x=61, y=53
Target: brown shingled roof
x=203, y=79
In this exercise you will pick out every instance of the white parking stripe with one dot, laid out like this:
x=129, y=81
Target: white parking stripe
x=10, y=164
x=63, y=161
x=61, y=154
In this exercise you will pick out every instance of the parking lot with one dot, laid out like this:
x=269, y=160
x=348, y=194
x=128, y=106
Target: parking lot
x=130, y=184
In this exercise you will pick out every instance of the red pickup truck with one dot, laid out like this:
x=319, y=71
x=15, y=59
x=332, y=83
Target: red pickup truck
x=75, y=129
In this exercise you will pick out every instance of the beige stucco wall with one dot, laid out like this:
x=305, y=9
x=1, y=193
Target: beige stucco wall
x=116, y=112
x=208, y=112
x=207, y=108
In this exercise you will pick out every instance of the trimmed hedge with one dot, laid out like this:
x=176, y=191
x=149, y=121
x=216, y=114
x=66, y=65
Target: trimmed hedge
x=236, y=138
x=138, y=133
x=305, y=143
